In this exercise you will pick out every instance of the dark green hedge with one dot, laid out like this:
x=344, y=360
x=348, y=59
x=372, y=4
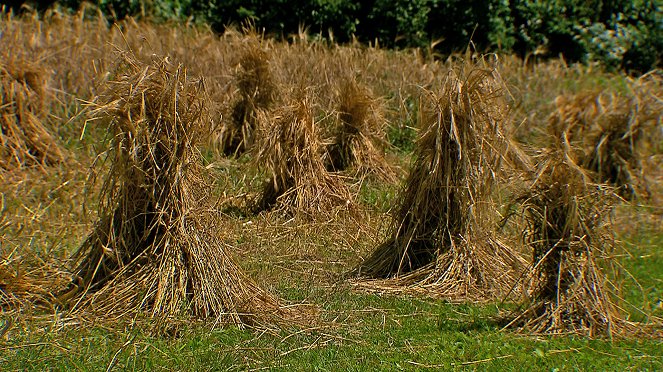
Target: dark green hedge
x=617, y=33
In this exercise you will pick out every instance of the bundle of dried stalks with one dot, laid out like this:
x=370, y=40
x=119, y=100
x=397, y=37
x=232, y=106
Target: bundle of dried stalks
x=614, y=140
x=566, y=229
x=570, y=120
x=360, y=138
x=442, y=237
x=157, y=248
x=608, y=129
x=290, y=150
x=24, y=139
x=257, y=92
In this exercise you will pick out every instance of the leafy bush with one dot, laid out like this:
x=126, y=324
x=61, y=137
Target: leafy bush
x=397, y=22
x=646, y=42
x=457, y=22
x=548, y=28
x=284, y=17
x=119, y=9
x=615, y=33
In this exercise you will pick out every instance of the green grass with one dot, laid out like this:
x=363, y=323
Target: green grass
x=643, y=264
x=370, y=333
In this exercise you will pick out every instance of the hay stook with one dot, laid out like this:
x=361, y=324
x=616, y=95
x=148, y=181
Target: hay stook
x=24, y=139
x=257, y=93
x=442, y=237
x=291, y=152
x=360, y=140
x=568, y=291
x=605, y=130
x=157, y=247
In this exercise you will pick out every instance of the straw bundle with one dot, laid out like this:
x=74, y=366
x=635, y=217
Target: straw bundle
x=572, y=117
x=257, y=93
x=360, y=137
x=156, y=248
x=608, y=130
x=24, y=139
x=565, y=228
x=614, y=139
x=290, y=150
x=442, y=236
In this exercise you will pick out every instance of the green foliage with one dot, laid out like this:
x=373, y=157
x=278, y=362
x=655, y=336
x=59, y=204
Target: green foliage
x=646, y=44
x=487, y=24
x=153, y=9
x=397, y=23
x=173, y=9
x=336, y=15
x=284, y=17
x=501, y=28
x=615, y=33
x=548, y=27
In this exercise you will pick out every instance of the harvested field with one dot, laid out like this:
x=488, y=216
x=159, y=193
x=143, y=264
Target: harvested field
x=385, y=210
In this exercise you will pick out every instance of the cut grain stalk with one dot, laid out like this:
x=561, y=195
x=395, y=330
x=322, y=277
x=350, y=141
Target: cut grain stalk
x=257, y=93
x=360, y=139
x=566, y=228
x=157, y=246
x=443, y=235
x=24, y=140
x=291, y=152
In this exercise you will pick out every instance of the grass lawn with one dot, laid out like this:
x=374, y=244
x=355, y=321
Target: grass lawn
x=370, y=333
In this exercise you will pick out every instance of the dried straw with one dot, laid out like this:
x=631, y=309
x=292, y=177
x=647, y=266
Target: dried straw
x=257, y=92
x=27, y=282
x=23, y=138
x=360, y=138
x=566, y=229
x=608, y=129
x=156, y=248
x=442, y=239
x=290, y=150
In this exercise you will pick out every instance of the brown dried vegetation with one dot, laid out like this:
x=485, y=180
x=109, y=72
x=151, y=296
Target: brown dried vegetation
x=360, y=138
x=257, y=93
x=157, y=247
x=607, y=129
x=291, y=152
x=443, y=237
x=567, y=229
x=24, y=139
